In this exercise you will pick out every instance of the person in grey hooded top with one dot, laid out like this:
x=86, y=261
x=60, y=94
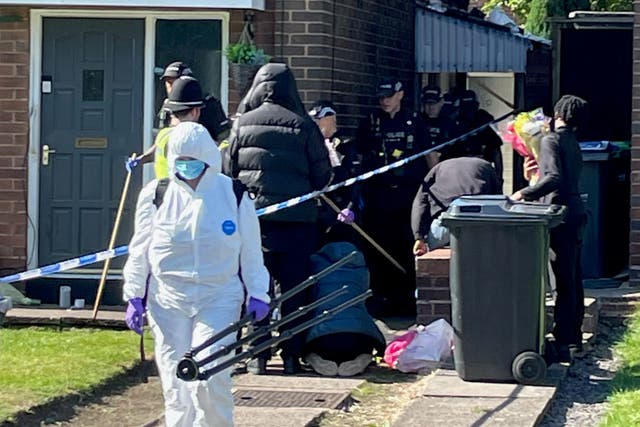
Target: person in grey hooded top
x=278, y=152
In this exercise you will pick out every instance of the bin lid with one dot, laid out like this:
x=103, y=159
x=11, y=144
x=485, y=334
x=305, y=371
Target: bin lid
x=600, y=146
x=502, y=208
x=595, y=150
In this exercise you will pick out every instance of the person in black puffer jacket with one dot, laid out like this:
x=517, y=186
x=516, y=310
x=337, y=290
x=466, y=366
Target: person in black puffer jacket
x=278, y=152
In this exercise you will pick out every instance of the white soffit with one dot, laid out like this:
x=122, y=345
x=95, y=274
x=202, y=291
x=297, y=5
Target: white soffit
x=191, y=4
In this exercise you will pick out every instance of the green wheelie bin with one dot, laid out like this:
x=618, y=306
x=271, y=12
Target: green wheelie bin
x=498, y=273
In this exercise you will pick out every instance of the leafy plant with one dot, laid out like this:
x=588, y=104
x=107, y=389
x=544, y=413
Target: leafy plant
x=246, y=53
x=519, y=8
x=612, y=5
x=533, y=14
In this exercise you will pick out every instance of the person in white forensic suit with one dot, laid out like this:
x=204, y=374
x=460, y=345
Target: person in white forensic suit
x=191, y=249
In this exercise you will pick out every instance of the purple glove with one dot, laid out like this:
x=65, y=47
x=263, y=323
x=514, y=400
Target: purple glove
x=131, y=163
x=347, y=216
x=135, y=315
x=258, y=308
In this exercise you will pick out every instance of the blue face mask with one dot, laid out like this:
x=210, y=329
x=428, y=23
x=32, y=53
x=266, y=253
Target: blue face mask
x=189, y=169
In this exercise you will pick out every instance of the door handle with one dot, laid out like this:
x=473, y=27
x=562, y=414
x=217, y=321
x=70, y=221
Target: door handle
x=46, y=151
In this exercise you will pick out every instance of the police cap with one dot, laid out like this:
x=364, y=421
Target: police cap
x=176, y=69
x=387, y=87
x=431, y=94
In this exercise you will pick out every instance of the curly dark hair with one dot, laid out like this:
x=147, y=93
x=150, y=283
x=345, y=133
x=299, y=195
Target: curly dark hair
x=574, y=111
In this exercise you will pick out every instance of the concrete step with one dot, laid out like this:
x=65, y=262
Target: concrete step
x=619, y=306
x=620, y=302
x=448, y=400
x=591, y=315
x=49, y=314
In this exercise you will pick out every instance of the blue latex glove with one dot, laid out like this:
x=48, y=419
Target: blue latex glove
x=131, y=163
x=135, y=315
x=259, y=308
x=347, y=216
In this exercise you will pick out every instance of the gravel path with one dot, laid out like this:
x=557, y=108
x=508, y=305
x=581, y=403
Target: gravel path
x=581, y=399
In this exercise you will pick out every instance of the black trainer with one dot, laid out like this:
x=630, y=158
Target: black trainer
x=291, y=365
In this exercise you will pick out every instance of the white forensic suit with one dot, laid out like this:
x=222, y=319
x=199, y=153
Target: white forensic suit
x=192, y=248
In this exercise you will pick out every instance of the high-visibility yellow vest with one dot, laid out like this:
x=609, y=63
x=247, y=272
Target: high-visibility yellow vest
x=160, y=163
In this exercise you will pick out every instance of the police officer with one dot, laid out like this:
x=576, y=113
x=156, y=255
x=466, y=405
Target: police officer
x=485, y=144
x=184, y=103
x=345, y=164
x=389, y=134
x=212, y=117
x=441, y=127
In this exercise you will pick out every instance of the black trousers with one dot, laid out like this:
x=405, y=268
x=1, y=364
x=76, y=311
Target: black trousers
x=288, y=263
x=392, y=231
x=566, y=245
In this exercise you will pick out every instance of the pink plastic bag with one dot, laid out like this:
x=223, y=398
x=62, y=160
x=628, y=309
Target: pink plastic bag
x=397, y=346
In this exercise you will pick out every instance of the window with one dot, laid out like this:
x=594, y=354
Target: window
x=92, y=85
x=198, y=43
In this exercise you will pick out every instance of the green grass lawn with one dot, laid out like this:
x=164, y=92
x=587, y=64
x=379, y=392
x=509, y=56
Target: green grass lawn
x=625, y=400
x=38, y=364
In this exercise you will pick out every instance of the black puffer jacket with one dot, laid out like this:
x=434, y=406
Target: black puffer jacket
x=275, y=147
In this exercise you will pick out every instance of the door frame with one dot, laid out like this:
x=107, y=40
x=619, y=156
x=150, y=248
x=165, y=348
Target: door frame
x=35, y=75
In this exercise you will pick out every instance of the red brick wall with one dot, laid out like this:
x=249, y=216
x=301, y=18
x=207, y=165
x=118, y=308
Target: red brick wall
x=432, y=282
x=634, y=239
x=338, y=49
x=14, y=135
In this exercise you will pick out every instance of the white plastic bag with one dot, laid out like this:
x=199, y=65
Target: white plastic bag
x=431, y=345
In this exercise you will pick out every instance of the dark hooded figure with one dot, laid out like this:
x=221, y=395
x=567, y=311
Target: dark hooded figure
x=560, y=165
x=278, y=152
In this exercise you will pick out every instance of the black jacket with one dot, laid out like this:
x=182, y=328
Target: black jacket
x=276, y=149
x=213, y=117
x=448, y=180
x=483, y=144
x=560, y=164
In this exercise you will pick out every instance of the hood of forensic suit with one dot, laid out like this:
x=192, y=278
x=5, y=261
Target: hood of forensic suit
x=191, y=139
x=273, y=83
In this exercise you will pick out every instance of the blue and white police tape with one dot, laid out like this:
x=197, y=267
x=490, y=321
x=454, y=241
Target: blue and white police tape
x=123, y=250
x=301, y=199
x=65, y=265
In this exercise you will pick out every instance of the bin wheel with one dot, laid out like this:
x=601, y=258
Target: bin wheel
x=529, y=368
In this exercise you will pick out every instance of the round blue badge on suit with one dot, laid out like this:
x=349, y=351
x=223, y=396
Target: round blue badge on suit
x=228, y=227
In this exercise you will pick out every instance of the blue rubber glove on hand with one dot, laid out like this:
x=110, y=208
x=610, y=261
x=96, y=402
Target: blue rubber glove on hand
x=131, y=163
x=347, y=216
x=135, y=315
x=258, y=308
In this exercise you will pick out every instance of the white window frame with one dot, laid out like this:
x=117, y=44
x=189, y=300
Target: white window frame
x=35, y=94
x=204, y=4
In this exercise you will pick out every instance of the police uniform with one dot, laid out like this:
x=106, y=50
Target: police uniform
x=212, y=115
x=485, y=144
x=387, y=200
x=171, y=72
x=345, y=165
